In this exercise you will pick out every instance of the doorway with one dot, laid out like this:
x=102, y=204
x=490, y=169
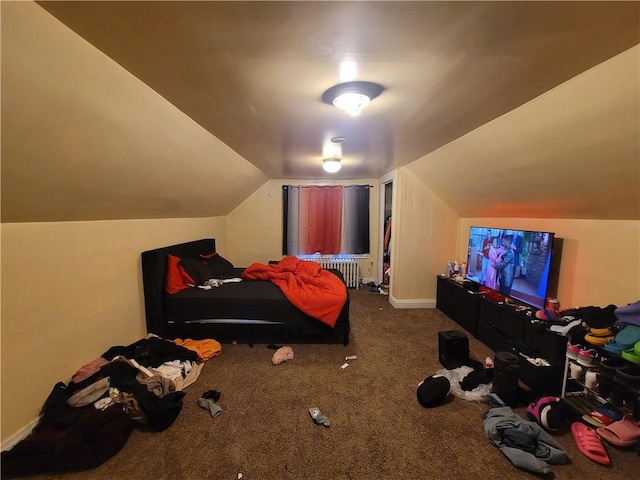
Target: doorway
x=386, y=209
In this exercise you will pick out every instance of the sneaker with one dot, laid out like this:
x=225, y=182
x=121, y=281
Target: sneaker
x=572, y=351
x=587, y=357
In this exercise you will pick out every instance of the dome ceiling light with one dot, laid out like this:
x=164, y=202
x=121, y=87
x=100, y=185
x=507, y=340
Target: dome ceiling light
x=352, y=97
x=332, y=164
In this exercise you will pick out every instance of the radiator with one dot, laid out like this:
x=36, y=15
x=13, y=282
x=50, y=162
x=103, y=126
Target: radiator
x=347, y=266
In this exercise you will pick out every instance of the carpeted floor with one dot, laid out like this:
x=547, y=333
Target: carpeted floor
x=378, y=429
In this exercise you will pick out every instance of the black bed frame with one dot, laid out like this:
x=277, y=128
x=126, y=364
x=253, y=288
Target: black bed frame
x=295, y=327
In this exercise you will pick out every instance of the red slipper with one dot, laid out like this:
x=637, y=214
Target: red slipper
x=623, y=433
x=589, y=443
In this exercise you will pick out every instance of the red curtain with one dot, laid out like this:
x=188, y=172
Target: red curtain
x=322, y=209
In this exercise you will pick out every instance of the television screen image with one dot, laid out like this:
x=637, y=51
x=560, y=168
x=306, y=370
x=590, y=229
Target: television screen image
x=515, y=263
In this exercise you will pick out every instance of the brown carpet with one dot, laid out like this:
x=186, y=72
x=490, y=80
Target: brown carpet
x=378, y=429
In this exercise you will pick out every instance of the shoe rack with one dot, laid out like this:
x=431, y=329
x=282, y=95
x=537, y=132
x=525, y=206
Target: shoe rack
x=614, y=387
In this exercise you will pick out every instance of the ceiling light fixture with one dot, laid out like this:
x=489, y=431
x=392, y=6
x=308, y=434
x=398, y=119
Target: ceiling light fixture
x=331, y=165
x=348, y=70
x=352, y=97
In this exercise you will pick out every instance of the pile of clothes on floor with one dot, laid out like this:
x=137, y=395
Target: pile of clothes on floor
x=88, y=421
x=525, y=443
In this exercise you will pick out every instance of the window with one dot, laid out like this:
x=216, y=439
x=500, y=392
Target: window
x=325, y=219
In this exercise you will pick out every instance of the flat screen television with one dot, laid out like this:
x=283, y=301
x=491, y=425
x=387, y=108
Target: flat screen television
x=515, y=263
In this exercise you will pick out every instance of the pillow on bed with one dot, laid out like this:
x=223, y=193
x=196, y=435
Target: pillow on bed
x=217, y=264
x=175, y=278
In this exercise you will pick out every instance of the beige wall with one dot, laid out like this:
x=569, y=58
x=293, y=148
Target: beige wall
x=423, y=239
x=71, y=290
x=254, y=228
x=600, y=263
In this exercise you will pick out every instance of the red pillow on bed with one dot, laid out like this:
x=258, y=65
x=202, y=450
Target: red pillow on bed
x=177, y=278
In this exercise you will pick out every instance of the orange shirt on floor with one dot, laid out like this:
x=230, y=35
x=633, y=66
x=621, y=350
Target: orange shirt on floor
x=205, y=349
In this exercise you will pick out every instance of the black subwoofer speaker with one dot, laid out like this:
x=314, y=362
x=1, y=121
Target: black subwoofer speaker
x=453, y=348
x=506, y=372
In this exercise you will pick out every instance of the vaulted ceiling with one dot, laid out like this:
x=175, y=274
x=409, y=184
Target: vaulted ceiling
x=468, y=87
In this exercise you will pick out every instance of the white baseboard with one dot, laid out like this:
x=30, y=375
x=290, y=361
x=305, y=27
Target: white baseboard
x=21, y=434
x=412, y=303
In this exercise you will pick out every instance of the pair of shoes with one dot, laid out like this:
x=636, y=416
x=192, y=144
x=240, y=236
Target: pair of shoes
x=614, y=347
x=589, y=443
x=573, y=350
x=593, y=421
x=599, y=336
x=608, y=369
x=632, y=355
x=623, y=433
x=622, y=341
x=587, y=358
x=582, y=355
x=628, y=336
x=602, y=417
x=319, y=417
x=600, y=332
x=598, y=418
x=628, y=377
x=599, y=340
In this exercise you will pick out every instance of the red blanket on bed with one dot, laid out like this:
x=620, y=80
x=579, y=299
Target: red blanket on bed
x=313, y=290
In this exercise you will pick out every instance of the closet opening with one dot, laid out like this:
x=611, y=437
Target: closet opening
x=386, y=223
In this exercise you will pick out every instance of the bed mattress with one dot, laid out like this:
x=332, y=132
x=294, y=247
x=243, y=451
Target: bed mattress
x=245, y=302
